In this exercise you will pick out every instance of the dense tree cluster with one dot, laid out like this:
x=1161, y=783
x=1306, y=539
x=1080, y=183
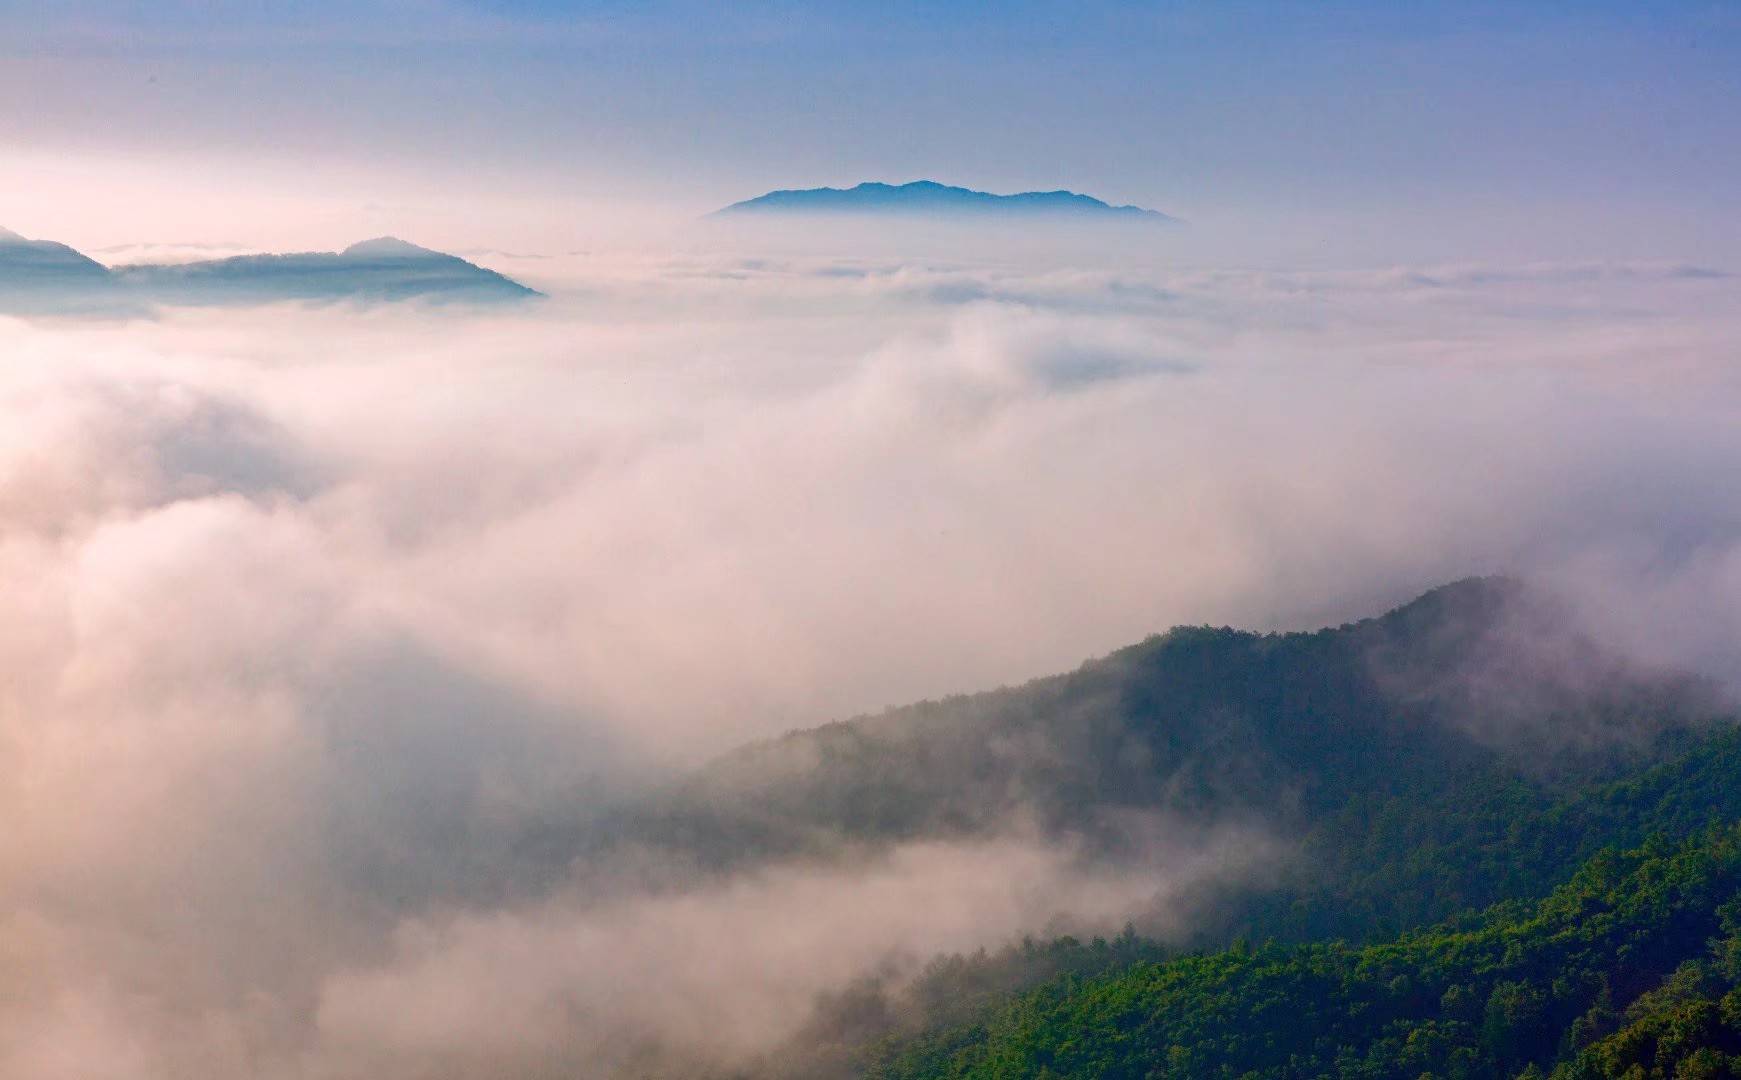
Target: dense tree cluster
x=1629, y=969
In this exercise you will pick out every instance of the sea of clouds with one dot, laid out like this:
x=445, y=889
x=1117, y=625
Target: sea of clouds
x=310, y=613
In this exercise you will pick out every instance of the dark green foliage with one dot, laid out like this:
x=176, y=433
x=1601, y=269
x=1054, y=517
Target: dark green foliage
x=1690, y=1039
x=1520, y=986
x=1426, y=861
x=849, y=1030
x=1382, y=865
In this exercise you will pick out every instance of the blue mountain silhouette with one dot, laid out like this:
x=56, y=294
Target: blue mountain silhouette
x=43, y=276
x=929, y=198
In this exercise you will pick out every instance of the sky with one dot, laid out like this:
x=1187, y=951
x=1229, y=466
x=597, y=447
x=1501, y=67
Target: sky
x=1431, y=129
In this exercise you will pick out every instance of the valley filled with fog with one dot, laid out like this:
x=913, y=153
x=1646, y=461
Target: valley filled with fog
x=337, y=637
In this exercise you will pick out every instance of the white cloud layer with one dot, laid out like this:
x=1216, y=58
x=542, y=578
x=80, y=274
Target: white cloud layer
x=309, y=612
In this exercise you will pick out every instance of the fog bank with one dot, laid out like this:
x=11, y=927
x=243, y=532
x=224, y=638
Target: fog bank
x=311, y=612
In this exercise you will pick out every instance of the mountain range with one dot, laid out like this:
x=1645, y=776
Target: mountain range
x=43, y=276
x=927, y=198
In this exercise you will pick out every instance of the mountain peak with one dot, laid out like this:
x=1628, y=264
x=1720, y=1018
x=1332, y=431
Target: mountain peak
x=1471, y=597
x=7, y=236
x=388, y=247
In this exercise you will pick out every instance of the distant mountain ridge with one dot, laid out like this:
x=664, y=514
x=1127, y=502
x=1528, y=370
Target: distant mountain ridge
x=25, y=261
x=385, y=268
x=929, y=198
x=43, y=276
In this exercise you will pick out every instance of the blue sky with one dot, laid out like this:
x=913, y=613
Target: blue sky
x=1581, y=111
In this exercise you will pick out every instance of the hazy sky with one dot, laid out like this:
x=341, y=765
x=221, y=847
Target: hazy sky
x=518, y=121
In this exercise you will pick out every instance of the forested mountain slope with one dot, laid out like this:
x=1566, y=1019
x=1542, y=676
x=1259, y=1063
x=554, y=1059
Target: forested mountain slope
x=1467, y=751
x=1629, y=969
x=1483, y=690
x=1413, y=864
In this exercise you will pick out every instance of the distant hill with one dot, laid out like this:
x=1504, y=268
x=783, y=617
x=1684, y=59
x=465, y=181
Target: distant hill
x=41, y=276
x=43, y=262
x=381, y=269
x=927, y=198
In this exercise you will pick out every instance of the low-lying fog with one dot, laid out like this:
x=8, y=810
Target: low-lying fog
x=287, y=584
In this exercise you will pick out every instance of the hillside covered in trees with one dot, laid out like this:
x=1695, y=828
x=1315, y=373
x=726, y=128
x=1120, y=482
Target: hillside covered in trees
x=1518, y=843
x=1509, y=849
x=1630, y=969
x=1482, y=691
